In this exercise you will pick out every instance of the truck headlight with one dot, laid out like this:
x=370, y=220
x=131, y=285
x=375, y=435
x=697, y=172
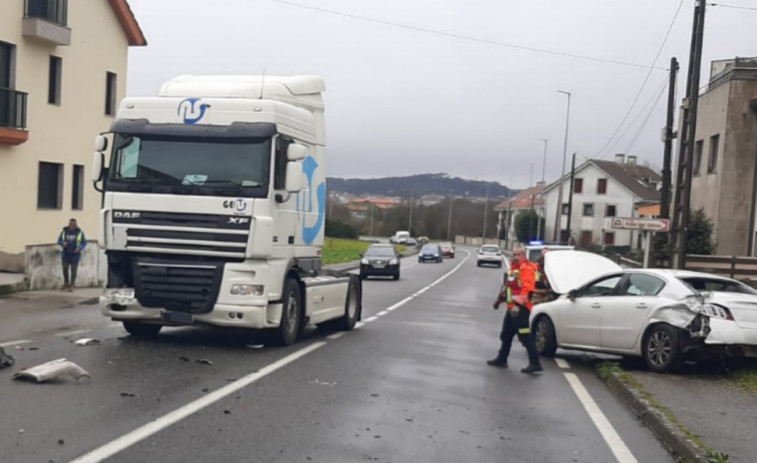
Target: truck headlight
x=247, y=290
x=127, y=293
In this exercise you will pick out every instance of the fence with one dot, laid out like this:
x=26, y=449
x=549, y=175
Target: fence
x=728, y=266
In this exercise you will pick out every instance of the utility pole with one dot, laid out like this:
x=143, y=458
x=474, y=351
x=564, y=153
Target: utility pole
x=509, y=213
x=410, y=219
x=570, y=194
x=687, y=139
x=370, y=206
x=543, y=170
x=449, y=217
x=486, y=207
x=667, y=157
x=558, y=213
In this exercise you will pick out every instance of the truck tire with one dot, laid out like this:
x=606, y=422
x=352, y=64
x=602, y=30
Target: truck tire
x=141, y=330
x=290, y=326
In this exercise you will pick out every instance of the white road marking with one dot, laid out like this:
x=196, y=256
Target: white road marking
x=71, y=333
x=157, y=425
x=611, y=437
x=370, y=319
x=337, y=335
x=359, y=324
x=382, y=313
x=15, y=343
x=562, y=363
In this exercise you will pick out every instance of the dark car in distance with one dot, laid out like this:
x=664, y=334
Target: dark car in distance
x=380, y=260
x=430, y=253
x=448, y=250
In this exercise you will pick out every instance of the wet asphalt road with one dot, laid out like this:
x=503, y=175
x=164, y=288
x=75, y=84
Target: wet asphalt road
x=410, y=385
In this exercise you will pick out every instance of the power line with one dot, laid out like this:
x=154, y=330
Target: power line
x=733, y=6
x=468, y=38
x=646, y=119
x=653, y=98
x=644, y=83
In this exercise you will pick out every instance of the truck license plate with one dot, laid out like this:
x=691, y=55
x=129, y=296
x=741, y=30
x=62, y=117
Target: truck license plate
x=177, y=317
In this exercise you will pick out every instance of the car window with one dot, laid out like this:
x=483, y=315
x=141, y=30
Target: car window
x=380, y=251
x=717, y=285
x=489, y=249
x=639, y=284
x=603, y=287
x=534, y=255
x=430, y=247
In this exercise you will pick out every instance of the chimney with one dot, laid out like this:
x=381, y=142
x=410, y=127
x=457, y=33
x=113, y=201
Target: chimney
x=620, y=158
x=541, y=183
x=631, y=160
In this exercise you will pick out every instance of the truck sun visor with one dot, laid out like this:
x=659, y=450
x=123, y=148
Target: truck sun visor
x=240, y=130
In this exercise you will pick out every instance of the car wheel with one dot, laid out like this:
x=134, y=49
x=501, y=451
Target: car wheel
x=660, y=346
x=141, y=330
x=478, y=264
x=544, y=336
x=291, y=314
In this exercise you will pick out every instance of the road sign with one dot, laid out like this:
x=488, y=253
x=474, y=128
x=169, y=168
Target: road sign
x=633, y=223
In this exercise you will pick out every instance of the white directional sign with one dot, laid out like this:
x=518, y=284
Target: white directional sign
x=633, y=223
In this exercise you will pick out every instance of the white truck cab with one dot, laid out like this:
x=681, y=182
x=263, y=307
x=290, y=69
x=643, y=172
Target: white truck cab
x=400, y=237
x=213, y=208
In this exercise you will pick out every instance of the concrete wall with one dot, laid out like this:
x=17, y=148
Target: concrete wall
x=58, y=133
x=44, y=271
x=616, y=195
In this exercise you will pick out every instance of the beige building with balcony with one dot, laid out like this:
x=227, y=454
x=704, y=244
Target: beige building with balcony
x=724, y=174
x=62, y=72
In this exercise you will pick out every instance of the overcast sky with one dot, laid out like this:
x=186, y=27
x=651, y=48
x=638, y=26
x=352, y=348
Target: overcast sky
x=402, y=101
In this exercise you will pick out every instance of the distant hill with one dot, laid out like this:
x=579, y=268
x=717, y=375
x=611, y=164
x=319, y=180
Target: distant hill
x=416, y=186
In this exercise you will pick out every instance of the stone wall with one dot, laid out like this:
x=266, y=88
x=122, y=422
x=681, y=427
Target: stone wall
x=44, y=271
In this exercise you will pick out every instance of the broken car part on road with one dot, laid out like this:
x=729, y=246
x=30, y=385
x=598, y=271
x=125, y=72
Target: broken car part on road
x=52, y=370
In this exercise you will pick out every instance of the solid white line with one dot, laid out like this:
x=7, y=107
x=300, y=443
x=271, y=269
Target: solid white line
x=71, y=333
x=15, y=343
x=337, y=335
x=359, y=324
x=562, y=363
x=611, y=437
x=370, y=319
x=382, y=313
x=157, y=425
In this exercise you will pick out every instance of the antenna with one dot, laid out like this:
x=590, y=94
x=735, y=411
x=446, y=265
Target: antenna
x=262, y=85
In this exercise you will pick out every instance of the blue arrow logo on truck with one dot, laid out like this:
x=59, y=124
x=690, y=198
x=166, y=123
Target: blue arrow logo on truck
x=309, y=234
x=189, y=112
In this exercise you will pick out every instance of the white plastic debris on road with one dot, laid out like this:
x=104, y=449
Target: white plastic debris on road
x=86, y=341
x=52, y=370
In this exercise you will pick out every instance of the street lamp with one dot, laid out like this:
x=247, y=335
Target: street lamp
x=558, y=213
x=543, y=170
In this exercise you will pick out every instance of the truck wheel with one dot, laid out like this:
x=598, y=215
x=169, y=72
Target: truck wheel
x=544, y=336
x=291, y=314
x=141, y=330
x=660, y=349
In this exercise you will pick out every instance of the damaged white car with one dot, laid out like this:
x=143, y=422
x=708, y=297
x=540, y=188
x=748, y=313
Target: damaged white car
x=661, y=315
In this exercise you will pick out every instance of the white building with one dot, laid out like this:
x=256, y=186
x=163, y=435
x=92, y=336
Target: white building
x=602, y=190
x=62, y=72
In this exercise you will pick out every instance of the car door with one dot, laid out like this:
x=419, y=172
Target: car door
x=581, y=321
x=626, y=315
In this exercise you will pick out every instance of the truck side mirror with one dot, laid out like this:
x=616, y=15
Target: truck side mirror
x=294, y=177
x=97, y=166
x=296, y=152
x=101, y=143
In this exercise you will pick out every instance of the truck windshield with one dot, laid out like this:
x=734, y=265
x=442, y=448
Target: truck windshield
x=191, y=166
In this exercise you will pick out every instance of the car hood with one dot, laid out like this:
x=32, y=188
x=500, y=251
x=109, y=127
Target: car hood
x=568, y=270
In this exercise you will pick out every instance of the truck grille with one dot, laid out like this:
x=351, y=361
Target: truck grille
x=181, y=233
x=178, y=286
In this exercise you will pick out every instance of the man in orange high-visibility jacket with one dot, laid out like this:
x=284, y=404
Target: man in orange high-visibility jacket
x=516, y=291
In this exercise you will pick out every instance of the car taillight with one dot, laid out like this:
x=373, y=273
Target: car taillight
x=717, y=311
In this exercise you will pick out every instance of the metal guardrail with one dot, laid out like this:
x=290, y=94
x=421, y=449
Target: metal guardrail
x=12, y=108
x=55, y=11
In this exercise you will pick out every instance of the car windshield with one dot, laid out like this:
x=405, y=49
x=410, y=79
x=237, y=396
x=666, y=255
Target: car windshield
x=717, y=285
x=191, y=165
x=446, y=245
x=430, y=247
x=380, y=251
x=490, y=249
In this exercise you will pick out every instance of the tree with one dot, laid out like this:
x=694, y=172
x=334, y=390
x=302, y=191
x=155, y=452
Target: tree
x=699, y=234
x=525, y=226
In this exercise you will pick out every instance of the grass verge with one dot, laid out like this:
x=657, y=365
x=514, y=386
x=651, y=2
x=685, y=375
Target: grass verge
x=745, y=379
x=606, y=369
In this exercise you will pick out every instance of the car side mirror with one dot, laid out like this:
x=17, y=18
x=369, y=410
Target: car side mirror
x=572, y=294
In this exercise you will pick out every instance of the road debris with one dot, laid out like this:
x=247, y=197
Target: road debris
x=322, y=383
x=183, y=359
x=86, y=341
x=204, y=361
x=127, y=394
x=5, y=359
x=52, y=370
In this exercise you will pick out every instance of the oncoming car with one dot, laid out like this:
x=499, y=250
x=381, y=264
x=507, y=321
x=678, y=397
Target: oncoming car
x=430, y=253
x=380, y=260
x=448, y=250
x=489, y=254
x=658, y=314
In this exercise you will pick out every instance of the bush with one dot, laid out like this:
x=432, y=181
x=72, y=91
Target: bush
x=337, y=229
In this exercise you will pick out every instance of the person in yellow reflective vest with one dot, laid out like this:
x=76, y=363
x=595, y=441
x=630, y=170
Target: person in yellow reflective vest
x=73, y=242
x=516, y=292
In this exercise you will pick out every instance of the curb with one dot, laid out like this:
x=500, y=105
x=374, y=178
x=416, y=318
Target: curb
x=666, y=432
x=12, y=288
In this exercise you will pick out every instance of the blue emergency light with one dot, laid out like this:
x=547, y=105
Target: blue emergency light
x=535, y=243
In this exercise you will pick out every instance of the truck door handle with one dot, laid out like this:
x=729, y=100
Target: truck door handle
x=595, y=305
x=641, y=305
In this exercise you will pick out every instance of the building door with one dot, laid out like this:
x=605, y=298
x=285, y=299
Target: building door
x=586, y=239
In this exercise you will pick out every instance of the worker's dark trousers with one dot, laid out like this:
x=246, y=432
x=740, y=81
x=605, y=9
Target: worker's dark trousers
x=517, y=325
x=73, y=264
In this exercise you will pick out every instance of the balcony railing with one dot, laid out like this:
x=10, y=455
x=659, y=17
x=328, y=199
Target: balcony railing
x=12, y=109
x=55, y=11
